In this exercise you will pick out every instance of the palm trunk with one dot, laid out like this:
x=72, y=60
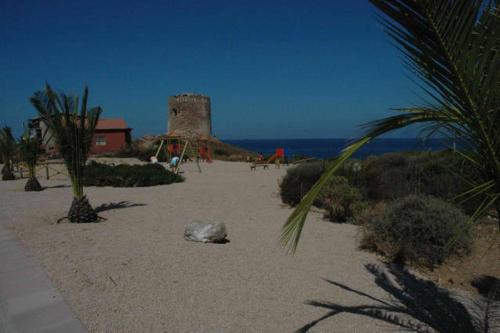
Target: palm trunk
x=80, y=211
x=32, y=185
x=31, y=170
x=497, y=203
x=6, y=171
x=498, y=215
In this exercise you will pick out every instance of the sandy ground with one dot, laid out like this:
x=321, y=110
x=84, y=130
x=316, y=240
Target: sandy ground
x=135, y=272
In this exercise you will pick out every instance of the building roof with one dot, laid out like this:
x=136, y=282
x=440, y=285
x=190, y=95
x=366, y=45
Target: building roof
x=102, y=124
x=116, y=123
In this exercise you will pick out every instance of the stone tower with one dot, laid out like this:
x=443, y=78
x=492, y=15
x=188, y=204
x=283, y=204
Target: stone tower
x=190, y=114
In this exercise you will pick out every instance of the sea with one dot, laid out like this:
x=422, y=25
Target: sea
x=327, y=148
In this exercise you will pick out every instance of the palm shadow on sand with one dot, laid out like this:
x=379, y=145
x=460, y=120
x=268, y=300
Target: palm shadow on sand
x=55, y=186
x=417, y=305
x=117, y=205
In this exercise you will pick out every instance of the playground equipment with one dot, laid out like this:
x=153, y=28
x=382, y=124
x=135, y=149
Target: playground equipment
x=185, y=147
x=203, y=151
x=276, y=158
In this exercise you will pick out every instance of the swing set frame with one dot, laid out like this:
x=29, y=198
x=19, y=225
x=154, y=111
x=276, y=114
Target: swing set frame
x=185, y=144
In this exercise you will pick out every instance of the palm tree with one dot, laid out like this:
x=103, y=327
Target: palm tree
x=29, y=150
x=7, y=150
x=452, y=47
x=72, y=127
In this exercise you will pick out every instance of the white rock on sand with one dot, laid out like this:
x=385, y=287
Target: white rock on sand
x=206, y=232
x=135, y=272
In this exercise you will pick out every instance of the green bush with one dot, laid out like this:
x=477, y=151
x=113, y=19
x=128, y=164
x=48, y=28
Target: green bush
x=7, y=174
x=391, y=176
x=368, y=213
x=446, y=175
x=98, y=174
x=386, y=176
x=418, y=229
x=299, y=180
x=340, y=200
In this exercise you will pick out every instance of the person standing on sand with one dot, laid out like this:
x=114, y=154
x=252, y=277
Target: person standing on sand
x=173, y=162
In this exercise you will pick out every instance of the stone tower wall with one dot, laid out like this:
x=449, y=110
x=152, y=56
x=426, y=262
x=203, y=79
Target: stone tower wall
x=190, y=113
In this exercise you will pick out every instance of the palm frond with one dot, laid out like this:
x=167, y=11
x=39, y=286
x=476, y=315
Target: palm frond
x=72, y=126
x=29, y=150
x=292, y=229
x=475, y=191
x=453, y=48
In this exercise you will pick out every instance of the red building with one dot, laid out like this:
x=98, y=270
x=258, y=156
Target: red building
x=110, y=136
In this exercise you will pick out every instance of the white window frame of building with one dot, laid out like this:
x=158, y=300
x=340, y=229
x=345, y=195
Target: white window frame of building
x=100, y=140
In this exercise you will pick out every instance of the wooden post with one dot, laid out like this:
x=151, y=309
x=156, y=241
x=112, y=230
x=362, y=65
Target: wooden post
x=194, y=152
x=169, y=154
x=19, y=167
x=159, y=148
x=180, y=159
x=47, y=170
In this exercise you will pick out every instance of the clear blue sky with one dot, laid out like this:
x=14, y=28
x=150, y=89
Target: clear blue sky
x=274, y=69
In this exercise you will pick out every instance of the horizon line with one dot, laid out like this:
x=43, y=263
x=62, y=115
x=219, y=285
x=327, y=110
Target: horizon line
x=338, y=138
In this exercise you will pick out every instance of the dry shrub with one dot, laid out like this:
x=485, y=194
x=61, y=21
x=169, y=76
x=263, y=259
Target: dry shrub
x=421, y=230
x=340, y=200
x=299, y=180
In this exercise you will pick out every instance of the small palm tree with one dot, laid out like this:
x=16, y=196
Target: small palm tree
x=453, y=48
x=7, y=150
x=72, y=126
x=29, y=151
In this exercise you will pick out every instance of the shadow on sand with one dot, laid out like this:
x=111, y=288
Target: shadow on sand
x=418, y=305
x=55, y=186
x=116, y=205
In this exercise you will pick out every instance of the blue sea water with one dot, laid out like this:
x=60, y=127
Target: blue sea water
x=326, y=148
